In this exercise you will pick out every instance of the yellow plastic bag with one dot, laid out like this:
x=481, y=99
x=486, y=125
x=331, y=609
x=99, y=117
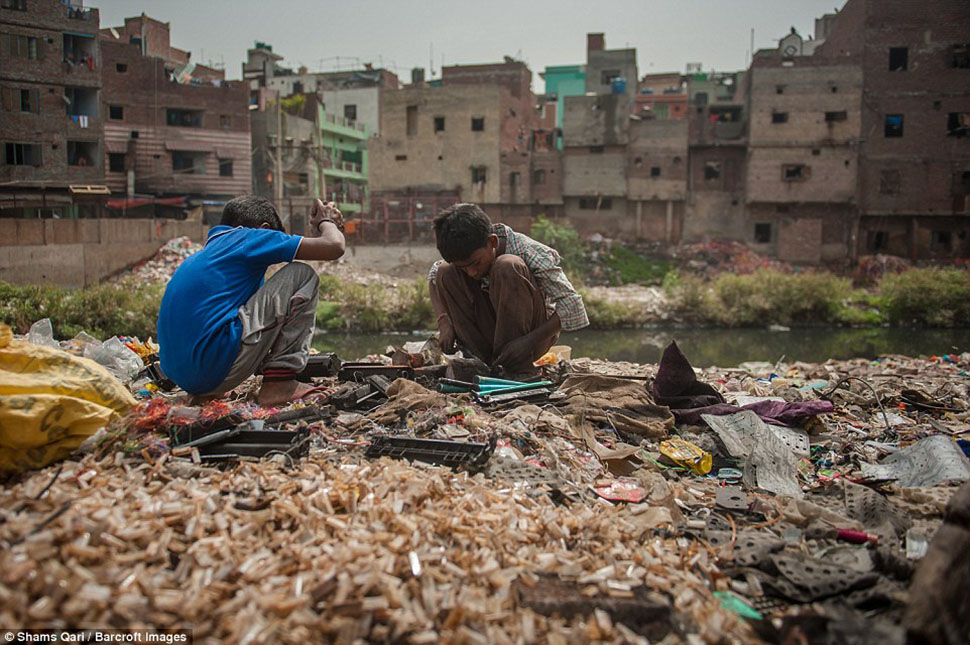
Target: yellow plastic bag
x=50, y=402
x=687, y=454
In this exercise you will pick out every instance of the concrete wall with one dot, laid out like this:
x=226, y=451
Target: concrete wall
x=622, y=60
x=596, y=120
x=660, y=145
x=594, y=173
x=81, y=252
x=829, y=176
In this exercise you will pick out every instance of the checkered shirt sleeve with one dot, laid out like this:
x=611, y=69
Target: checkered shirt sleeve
x=544, y=262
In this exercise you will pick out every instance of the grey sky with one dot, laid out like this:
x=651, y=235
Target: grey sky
x=401, y=34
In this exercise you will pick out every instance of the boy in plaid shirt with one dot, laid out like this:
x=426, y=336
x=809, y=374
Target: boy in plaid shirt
x=500, y=294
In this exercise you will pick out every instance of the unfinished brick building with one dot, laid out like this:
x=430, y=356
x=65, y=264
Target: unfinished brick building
x=914, y=153
x=172, y=128
x=802, y=164
x=51, y=123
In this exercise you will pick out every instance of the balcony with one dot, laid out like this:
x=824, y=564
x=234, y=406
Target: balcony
x=77, y=13
x=80, y=52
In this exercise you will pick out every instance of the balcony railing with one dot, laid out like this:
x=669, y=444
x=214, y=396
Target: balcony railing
x=78, y=13
x=347, y=123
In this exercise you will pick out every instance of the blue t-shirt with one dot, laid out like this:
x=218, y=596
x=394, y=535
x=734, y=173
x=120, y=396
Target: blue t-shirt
x=199, y=331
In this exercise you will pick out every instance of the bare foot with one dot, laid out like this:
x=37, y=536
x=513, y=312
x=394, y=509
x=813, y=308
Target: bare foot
x=201, y=399
x=278, y=392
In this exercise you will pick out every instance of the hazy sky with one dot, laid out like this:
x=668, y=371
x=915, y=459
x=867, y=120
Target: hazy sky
x=401, y=34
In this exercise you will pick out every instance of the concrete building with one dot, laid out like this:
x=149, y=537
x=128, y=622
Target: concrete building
x=321, y=155
x=172, y=129
x=657, y=178
x=51, y=121
x=609, y=70
x=802, y=165
x=466, y=138
x=662, y=96
x=914, y=153
x=354, y=95
x=717, y=139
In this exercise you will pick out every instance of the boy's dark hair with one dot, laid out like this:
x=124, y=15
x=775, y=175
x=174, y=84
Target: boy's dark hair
x=251, y=211
x=460, y=230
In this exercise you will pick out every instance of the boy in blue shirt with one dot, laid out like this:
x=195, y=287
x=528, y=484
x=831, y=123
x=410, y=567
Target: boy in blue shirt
x=220, y=323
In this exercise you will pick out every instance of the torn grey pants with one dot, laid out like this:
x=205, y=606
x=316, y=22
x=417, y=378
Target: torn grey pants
x=277, y=326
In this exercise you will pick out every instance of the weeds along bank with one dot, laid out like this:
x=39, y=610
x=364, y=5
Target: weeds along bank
x=931, y=297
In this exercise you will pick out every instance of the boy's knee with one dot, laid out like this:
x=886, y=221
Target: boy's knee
x=301, y=272
x=508, y=265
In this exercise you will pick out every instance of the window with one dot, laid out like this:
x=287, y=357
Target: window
x=439, y=124
x=795, y=172
x=638, y=162
x=411, y=116
x=961, y=183
x=19, y=5
x=188, y=163
x=350, y=111
x=20, y=46
x=960, y=56
x=712, y=170
x=782, y=208
x=21, y=154
x=898, y=59
x=400, y=157
x=225, y=167
x=878, y=241
x=958, y=124
x=596, y=149
x=133, y=134
x=655, y=171
x=514, y=180
x=831, y=117
x=596, y=203
x=183, y=118
x=478, y=174
x=116, y=112
x=779, y=117
x=538, y=177
x=779, y=89
x=121, y=68
x=30, y=101
x=894, y=125
x=762, y=233
x=478, y=124
x=835, y=89
x=82, y=153
x=816, y=152
x=225, y=121
x=607, y=76
x=941, y=240
x=116, y=162
x=700, y=99
x=297, y=87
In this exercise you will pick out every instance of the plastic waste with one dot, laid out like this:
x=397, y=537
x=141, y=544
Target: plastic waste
x=42, y=333
x=686, y=454
x=115, y=356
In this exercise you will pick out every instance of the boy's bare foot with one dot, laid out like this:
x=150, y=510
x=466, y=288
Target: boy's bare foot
x=278, y=392
x=201, y=399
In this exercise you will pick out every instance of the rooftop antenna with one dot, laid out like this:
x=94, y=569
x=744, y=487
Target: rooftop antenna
x=431, y=60
x=752, y=46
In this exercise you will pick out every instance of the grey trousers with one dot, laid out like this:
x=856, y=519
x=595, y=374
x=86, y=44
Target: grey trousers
x=277, y=326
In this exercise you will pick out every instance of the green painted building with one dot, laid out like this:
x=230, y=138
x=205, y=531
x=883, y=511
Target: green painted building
x=562, y=81
x=342, y=149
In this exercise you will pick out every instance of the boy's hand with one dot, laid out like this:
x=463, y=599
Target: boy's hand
x=516, y=354
x=325, y=213
x=447, y=338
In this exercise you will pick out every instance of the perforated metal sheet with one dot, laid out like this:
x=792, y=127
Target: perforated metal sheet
x=796, y=440
x=927, y=462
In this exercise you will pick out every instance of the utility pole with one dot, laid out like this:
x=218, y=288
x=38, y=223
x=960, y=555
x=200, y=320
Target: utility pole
x=279, y=154
x=321, y=181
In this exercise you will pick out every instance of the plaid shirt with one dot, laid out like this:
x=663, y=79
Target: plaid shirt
x=543, y=262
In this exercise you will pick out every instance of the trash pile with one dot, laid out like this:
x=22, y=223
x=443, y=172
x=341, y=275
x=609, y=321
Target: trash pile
x=160, y=267
x=712, y=258
x=423, y=498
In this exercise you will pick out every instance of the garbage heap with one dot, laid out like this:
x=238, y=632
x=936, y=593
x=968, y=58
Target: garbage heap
x=421, y=500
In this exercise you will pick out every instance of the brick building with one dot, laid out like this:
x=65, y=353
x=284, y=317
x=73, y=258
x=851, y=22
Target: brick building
x=662, y=96
x=467, y=137
x=172, y=128
x=802, y=165
x=914, y=153
x=717, y=140
x=51, y=123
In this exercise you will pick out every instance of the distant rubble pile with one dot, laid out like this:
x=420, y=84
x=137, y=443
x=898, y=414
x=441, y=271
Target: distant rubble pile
x=717, y=257
x=161, y=266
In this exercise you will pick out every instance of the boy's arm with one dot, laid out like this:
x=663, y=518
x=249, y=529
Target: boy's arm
x=330, y=244
x=519, y=351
